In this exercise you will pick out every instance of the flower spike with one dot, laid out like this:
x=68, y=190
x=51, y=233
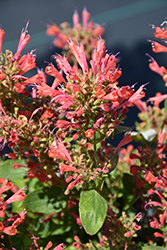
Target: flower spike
x=2, y=33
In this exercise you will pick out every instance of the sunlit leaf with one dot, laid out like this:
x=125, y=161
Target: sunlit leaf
x=92, y=211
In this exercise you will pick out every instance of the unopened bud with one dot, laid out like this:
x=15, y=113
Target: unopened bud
x=36, y=138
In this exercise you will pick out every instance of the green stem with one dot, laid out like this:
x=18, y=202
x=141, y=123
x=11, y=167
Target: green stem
x=101, y=185
x=133, y=201
x=95, y=150
x=110, y=245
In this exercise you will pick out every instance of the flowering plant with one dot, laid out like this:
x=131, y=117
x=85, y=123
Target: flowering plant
x=82, y=190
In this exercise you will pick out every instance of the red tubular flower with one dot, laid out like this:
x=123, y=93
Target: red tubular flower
x=139, y=94
x=51, y=70
x=97, y=56
x=98, y=121
x=99, y=30
x=75, y=18
x=49, y=245
x=157, y=234
x=13, y=136
x=47, y=114
x=46, y=90
x=105, y=170
x=63, y=64
x=68, y=179
x=10, y=230
x=105, y=107
x=89, y=133
x=85, y=17
x=19, y=88
x=17, y=165
x=47, y=218
x=76, y=217
x=88, y=146
x=140, y=105
x=153, y=65
x=66, y=105
x=26, y=63
x=62, y=124
x=6, y=185
x=39, y=79
x=2, y=33
x=61, y=40
x=70, y=115
x=75, y=88
x=99, y=92
x=72, y=184
x=19, y=218
x=1, y=108
x=157, y=99
x=65, y=168
x=55, y=83
x=65, y=100
x=18, y=196
x=157, y=47
x=118, y=96
x=151, y=178
x=127, y=139
x=128, y=234
x=161, y=138
x=61, y=246
x=116, y=75
x=1, y=227
x=159, y=33
x=2, y=76
x=60, y=152
x=12, y=156
x=80, y=55
x=52, y=30
x=24, y=40
x=163, y=217
x=36, y=152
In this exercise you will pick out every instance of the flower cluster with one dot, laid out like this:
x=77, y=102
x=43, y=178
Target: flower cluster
x=62, y=136
x=120, y=231
x=12, y=68
x=35, y=245
x=26, y=134
x=93, y=107
x=160, y=33
x=5, y=226
x=158, y=220
x=61, y=130
x=86, y=33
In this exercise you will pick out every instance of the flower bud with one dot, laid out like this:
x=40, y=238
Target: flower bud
x=89, y=133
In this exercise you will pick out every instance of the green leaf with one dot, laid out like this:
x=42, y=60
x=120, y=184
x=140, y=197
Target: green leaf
x=164, y=229
x=45, y=200
x=45, y=232
x=15, y=175
x=92, y=211
x=120, y=129
x=153, y=248
x=147, y=135
x=165, y=104
x=128, y=183
x=68, y=139
x=60, y=230
x=6, y=168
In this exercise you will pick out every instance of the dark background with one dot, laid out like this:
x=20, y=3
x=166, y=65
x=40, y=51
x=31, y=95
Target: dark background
x=126, y=30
